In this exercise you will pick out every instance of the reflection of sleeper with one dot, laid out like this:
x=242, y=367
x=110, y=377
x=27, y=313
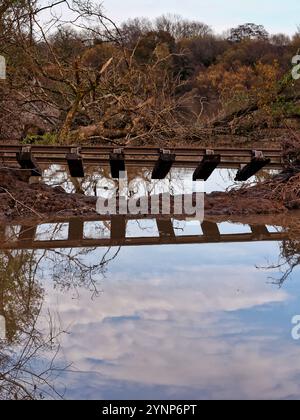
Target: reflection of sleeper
x=2, y=68
x=2, y=328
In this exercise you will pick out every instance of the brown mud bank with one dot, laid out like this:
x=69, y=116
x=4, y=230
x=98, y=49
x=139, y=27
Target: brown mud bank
x=19, y=200
x=280, y=194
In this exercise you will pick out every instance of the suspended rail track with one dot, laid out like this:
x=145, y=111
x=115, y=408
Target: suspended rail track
x=205, y=161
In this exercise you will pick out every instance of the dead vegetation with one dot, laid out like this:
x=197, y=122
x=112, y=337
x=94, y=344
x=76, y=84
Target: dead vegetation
x=83, y=79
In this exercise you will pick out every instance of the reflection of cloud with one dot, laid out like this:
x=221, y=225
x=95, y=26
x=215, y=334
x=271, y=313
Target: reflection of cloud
x=181, y=331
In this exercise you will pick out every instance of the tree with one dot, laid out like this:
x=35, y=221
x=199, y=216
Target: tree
x=50, y=75
x=134, y=29
x=149, y=42
x=8, y=5
x=203, y=51
x=280, y=40
x=248, y=31
x=180, y=28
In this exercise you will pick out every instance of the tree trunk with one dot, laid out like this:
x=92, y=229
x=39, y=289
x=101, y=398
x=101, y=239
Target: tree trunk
x=67, y=125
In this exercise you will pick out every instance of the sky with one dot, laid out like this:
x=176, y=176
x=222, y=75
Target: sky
x=277, y=16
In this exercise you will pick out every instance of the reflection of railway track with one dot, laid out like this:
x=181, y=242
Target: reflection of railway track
x=203, y=160
x=27, y=236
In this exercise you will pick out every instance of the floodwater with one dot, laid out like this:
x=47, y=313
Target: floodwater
x=170, y=318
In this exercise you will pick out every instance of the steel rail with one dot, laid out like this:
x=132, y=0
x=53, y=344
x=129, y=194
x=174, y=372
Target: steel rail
x=183, y=151
x=145, y=163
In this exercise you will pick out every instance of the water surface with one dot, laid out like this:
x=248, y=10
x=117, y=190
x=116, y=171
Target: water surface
x=204, y=314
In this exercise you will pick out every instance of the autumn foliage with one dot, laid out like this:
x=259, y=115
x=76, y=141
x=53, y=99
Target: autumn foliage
x=88, y=79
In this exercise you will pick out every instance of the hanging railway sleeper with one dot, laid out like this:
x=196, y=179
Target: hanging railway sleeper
x=247, y=161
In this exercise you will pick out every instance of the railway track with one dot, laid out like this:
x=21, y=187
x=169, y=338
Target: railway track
x=204, y=160
x=28, y=237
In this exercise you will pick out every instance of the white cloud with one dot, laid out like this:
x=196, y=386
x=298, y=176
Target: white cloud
x=180, y=330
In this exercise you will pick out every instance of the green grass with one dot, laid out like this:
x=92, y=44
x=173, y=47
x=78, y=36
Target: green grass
x=45, y=139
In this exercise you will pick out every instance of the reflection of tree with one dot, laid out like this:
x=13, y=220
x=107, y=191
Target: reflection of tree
x=70, y=271
x=289, y=257
x=28, y=356
x=20, y=294
x=27, y=367
x=23, y=374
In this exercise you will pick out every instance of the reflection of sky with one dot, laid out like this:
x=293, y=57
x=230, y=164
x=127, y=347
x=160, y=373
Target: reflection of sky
x=195, y=321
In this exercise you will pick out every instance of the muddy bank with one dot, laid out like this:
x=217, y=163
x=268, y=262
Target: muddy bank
x=19, y=200
x=279, y=194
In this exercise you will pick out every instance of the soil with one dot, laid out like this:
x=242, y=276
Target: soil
x=19, y=199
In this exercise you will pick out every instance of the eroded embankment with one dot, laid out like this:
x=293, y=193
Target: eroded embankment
x=20, y=200
x=279, y=194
